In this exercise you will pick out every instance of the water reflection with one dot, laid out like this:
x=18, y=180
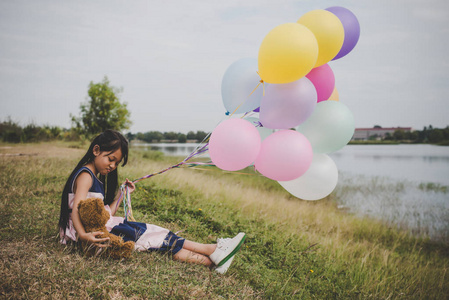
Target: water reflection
x=419, y=163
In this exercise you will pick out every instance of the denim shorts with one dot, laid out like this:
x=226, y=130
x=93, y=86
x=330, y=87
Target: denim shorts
x=171, y=244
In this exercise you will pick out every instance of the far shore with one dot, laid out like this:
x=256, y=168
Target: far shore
x=137, y=142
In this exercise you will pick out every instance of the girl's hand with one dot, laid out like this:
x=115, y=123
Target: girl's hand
x=91, y=237
x=131, y=186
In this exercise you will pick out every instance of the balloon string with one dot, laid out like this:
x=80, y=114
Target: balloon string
x=125, y=195
x=233, y=172
x=263, y=93
x=263, y=84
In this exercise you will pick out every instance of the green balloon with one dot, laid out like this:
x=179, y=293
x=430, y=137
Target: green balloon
x=329, y=128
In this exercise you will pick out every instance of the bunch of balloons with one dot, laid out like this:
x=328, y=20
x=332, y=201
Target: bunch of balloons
x=291, y=88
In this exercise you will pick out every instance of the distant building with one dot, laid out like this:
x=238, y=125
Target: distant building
x=378, y=133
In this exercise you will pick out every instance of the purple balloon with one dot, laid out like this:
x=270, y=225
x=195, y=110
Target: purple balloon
x=287, y=105
x=351, y=27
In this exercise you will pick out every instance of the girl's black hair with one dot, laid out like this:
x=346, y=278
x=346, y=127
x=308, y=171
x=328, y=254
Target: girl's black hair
x=108, y=141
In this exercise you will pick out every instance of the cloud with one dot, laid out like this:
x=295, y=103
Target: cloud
x=170, y=56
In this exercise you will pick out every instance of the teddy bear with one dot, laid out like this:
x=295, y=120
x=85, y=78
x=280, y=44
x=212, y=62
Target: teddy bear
x=94, y=217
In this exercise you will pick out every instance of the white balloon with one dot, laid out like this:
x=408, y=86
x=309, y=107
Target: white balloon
x=317, y=182
x=329, y=128
x=238, y=87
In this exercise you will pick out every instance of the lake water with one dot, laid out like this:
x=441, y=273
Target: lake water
x=171, y=149
x=405, y=185
x=419, y=163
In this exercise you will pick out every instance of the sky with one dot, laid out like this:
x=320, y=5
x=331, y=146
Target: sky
x=170, y=57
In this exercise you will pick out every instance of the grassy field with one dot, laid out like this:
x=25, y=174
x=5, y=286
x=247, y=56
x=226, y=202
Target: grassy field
x=294, y=249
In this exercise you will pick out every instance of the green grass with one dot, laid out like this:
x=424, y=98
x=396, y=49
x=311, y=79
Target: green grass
x=430, y=186
x=374, y=142
x=294, y=249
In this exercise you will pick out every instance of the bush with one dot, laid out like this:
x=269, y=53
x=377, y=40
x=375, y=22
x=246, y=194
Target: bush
x=12, y=132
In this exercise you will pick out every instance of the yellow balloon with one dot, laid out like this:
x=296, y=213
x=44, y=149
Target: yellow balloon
x=287, y=53
x=328, y=31
x=334, y=96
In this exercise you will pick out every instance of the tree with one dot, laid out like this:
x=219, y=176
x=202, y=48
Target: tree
x=103, y=110
x=436, y=136
x=411, y=135
x=422, y=135
x=191, y=135
x=171, y=135
x=373, y=137
x=10, y=131
x=398, y=135
x=150, y=136
x=182, y=138
x=130, y=136
x=388, y=137
x=200, y=135
x=153, y=136
x=446, y=133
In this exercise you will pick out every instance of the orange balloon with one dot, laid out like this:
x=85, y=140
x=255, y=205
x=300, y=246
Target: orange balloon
x=334, y=96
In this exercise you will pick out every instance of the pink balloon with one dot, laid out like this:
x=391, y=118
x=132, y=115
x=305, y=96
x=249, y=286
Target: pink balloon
x=284, y=155
x=287, y=105
x=234, y=144
x=323, y=79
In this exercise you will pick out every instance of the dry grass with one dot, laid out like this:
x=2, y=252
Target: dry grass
x=294, y=249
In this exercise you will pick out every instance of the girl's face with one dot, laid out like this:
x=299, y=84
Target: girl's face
x=106, y=162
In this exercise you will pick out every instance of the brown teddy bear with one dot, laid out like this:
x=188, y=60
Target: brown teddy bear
x=94, y=217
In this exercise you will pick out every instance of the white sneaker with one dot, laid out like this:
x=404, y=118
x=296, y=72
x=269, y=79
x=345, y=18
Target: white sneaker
x=223, y=268
x=226, y=249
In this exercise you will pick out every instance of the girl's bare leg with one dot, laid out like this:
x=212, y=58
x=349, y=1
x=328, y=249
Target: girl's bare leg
x=193, y=257
x=205, y=249
x=196, y=253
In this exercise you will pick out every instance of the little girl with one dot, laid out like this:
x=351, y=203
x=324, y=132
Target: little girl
x=99, y=167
